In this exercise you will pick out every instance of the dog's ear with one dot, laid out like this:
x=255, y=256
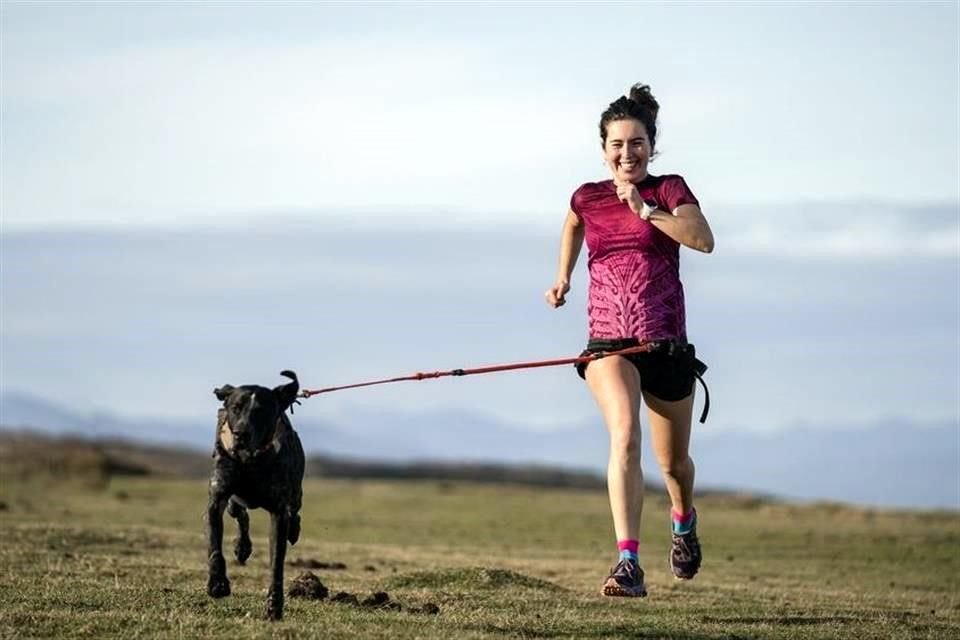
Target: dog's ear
x=287, y=393
x=223, y=392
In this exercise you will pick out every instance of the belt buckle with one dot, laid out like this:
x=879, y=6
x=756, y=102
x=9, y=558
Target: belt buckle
x=665, y=346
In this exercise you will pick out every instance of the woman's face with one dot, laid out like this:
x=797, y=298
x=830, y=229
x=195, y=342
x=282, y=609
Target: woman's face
x=627, y=150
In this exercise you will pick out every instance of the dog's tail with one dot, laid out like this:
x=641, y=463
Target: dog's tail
x=287, y=393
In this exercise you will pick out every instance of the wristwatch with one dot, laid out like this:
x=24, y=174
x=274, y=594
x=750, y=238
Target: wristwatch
x=648, y=209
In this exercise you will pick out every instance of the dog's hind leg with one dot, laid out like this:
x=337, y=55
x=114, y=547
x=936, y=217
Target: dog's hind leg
x=293, y=512
x=296, y=501
x=242, y=546
x=293, y=529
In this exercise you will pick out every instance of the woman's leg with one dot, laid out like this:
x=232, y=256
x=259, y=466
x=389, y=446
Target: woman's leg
x=670, y=424
x=670, y=432
x=615, y=385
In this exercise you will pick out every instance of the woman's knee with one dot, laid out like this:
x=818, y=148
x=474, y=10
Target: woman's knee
x=677, y=467
x=625, y=441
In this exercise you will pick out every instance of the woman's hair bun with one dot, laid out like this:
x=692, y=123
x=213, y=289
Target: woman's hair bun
x=639, y=105
x=640, y=93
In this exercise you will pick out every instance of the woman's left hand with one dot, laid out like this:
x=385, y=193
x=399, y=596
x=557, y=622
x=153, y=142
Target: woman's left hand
x=627, y=192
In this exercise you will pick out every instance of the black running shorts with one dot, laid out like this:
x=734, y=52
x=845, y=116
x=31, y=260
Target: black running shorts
x=662, y=374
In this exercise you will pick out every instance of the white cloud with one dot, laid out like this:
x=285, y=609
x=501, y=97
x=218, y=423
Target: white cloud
x=199, y=115
x=851, y=230
x=202, y=129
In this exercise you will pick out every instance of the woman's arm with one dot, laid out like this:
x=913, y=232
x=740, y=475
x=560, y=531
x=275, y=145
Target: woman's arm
x=686, y=225
x=571, y=241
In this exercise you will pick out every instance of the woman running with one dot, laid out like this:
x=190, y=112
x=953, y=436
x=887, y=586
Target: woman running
x=634, y=225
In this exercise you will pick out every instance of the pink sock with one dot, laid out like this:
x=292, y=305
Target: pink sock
x=628, y=548
x=683, y=521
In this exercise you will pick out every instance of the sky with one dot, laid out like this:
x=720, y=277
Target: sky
x=365, y=191
x=132, y=114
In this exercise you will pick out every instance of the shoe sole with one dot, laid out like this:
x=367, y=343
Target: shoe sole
x=684, y=578
x=619, y=591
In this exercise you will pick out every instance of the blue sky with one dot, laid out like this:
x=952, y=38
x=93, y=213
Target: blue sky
x=821, y=139
x=131, y=114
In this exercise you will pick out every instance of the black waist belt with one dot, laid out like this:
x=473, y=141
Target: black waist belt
x=688, y=352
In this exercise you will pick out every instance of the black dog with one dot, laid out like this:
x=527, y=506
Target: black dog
x=258, y=462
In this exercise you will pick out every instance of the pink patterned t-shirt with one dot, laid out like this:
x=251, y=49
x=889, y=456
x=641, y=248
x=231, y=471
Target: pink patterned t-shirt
x=635, y=289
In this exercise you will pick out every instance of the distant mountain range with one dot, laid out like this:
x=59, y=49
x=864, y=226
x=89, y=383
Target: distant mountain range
x=891, y=464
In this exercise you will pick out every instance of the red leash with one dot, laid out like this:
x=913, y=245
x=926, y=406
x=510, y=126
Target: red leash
x=640, y=348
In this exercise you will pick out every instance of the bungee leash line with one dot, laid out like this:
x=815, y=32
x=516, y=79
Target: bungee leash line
x=640, y=348
x=306, y=393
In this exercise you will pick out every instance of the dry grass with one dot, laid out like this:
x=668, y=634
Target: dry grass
x=128, y=561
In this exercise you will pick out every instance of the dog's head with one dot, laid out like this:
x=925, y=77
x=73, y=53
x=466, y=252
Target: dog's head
x=251, y=413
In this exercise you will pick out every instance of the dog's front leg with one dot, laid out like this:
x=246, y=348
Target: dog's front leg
x=242, y=546
x=218, y=585
x=279, y=524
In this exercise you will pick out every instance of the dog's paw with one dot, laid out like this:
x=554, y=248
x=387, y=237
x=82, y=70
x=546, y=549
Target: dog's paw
x=274, y=609
x=274, y=614
x=218, y=586
x=274, y=602
x=242, y=548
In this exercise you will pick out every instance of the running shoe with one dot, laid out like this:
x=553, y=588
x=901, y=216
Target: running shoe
x=685, y=556
x=625, y=580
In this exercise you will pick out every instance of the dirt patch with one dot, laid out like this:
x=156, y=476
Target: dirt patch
x=428, y=608
x=307, y=585
x=377, y=599
x=342, y=597
x=470, y=578
x=382, y=600
x=311, y=563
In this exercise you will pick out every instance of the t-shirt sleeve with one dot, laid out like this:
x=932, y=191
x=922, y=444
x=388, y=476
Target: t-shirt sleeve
x=675, y=192
x=577, y=201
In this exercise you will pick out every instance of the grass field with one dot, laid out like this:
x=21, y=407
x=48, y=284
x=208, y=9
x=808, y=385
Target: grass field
x=127, y=560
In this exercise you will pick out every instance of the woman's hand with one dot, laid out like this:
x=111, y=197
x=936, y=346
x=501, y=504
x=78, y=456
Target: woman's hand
x=556, y=294
x=627, y=192
x=571, y=239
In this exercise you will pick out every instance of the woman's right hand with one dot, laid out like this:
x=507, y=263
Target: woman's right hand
x=556, y=294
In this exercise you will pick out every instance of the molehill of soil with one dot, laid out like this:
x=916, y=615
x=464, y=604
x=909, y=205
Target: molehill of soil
x=308, y=586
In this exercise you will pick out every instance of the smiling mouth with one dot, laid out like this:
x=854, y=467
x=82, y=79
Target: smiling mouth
x=629, y=166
